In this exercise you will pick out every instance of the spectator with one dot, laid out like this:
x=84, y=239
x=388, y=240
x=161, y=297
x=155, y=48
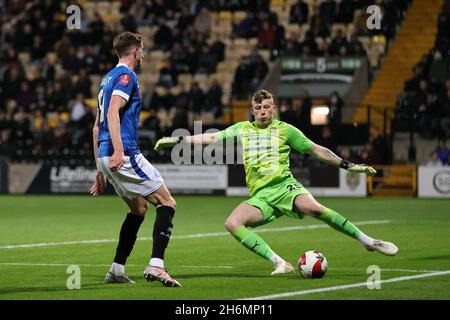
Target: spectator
x=309, y=43
x=192, y=59
x=83, y=84
x=381, y=148
x=151, y=124
x=445, y=116
x=338, y=42
x=38, y=49
x=196, y=98
x=442, y=151
x=345, y=11
x=347, y=154
x=162, y=39
x=129, y=23
x=214, y=99
x=423, y=92
x=168, y=75
x=218, y=49
x=96, y=29
x=171, y=19
x=77, y=108
x=43, y=137
x=327, y=140
x=11, y=83
x=335, y=104
x=428, y=116
x=21, y=134
x=26, y=98
x=180, y=118
x=328, y=11
x=249, y=74
x=305, y=109
x=203, y=22
x=184, y=18
x=318, y=28
x=266, y=36
x=355, y=47
x=57, y=97
x=434, y=160
x=178, y=58
x=293, y=48
x=206, y=61
x=247, y=28
x=299, y=13
x=60, y=137
x=359, y=23
x=414, y=83
x=289, y=113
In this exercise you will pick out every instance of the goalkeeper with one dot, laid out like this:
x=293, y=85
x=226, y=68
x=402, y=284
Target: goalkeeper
x=274, y=191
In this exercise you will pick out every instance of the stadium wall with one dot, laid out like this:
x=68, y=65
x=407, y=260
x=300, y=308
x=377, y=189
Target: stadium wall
x=3, y=175
x=434, y=182
x=180, y=179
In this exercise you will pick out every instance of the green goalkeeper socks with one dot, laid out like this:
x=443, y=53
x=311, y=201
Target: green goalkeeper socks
x=338, y=222
x=253, y=242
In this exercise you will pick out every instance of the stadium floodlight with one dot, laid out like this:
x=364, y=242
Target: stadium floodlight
x=319, y=115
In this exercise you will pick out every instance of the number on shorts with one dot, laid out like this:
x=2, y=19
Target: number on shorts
x=292, y=187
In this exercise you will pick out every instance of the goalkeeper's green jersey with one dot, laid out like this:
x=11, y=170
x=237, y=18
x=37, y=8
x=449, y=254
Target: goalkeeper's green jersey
x=266, y=151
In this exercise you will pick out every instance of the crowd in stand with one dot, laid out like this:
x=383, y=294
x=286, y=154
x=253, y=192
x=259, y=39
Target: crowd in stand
x=440, y=156
x=424, y=107
x=47, y=111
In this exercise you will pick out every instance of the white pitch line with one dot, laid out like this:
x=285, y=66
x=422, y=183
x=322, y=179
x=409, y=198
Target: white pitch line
x=27, y=264
x=32, y=264
x=399, y=270
x=187, y=236
x=347, y=286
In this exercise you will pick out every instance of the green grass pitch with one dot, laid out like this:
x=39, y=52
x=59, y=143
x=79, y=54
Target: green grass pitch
x=210, y=263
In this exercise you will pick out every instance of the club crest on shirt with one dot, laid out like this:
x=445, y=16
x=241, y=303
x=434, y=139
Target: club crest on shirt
x=124, y=79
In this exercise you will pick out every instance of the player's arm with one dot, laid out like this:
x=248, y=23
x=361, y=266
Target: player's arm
x=301, y=143
x=327, y=156
x=99, y=184
x=205, y=139
x=117, y=159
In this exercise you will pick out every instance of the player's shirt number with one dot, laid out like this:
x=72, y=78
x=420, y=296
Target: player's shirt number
x=101, y=101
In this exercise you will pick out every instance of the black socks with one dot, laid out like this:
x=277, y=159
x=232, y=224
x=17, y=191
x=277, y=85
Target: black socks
x=162, y=230
x=127, y=238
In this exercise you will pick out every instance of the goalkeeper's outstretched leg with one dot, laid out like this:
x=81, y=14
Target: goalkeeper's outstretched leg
x=306, y=204
x=244, y=216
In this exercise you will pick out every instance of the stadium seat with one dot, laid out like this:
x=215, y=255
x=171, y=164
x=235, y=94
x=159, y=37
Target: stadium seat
x=238, y=16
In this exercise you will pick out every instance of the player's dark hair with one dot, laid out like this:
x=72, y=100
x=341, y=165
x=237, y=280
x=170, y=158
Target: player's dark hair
x=261, y=95
x=123, y=42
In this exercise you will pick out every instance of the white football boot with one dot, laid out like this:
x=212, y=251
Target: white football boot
x=282, y=268
x=384, y=247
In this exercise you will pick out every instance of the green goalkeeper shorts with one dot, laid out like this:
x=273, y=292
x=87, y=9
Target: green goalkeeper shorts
x=278, y=200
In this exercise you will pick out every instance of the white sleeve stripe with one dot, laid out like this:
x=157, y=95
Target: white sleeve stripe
x=121, y=93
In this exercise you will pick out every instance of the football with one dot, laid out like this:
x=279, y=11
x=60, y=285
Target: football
x=312, y=264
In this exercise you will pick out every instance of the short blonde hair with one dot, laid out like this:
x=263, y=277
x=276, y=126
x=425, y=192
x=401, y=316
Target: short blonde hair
x=261, y=95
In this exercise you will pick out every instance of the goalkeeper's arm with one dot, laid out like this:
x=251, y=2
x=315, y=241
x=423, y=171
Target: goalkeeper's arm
x=168, y=142
x=327, y=156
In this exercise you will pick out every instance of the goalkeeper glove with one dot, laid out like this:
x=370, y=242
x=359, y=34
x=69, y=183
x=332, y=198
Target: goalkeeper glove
x=357, y=168
x=167, y=142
